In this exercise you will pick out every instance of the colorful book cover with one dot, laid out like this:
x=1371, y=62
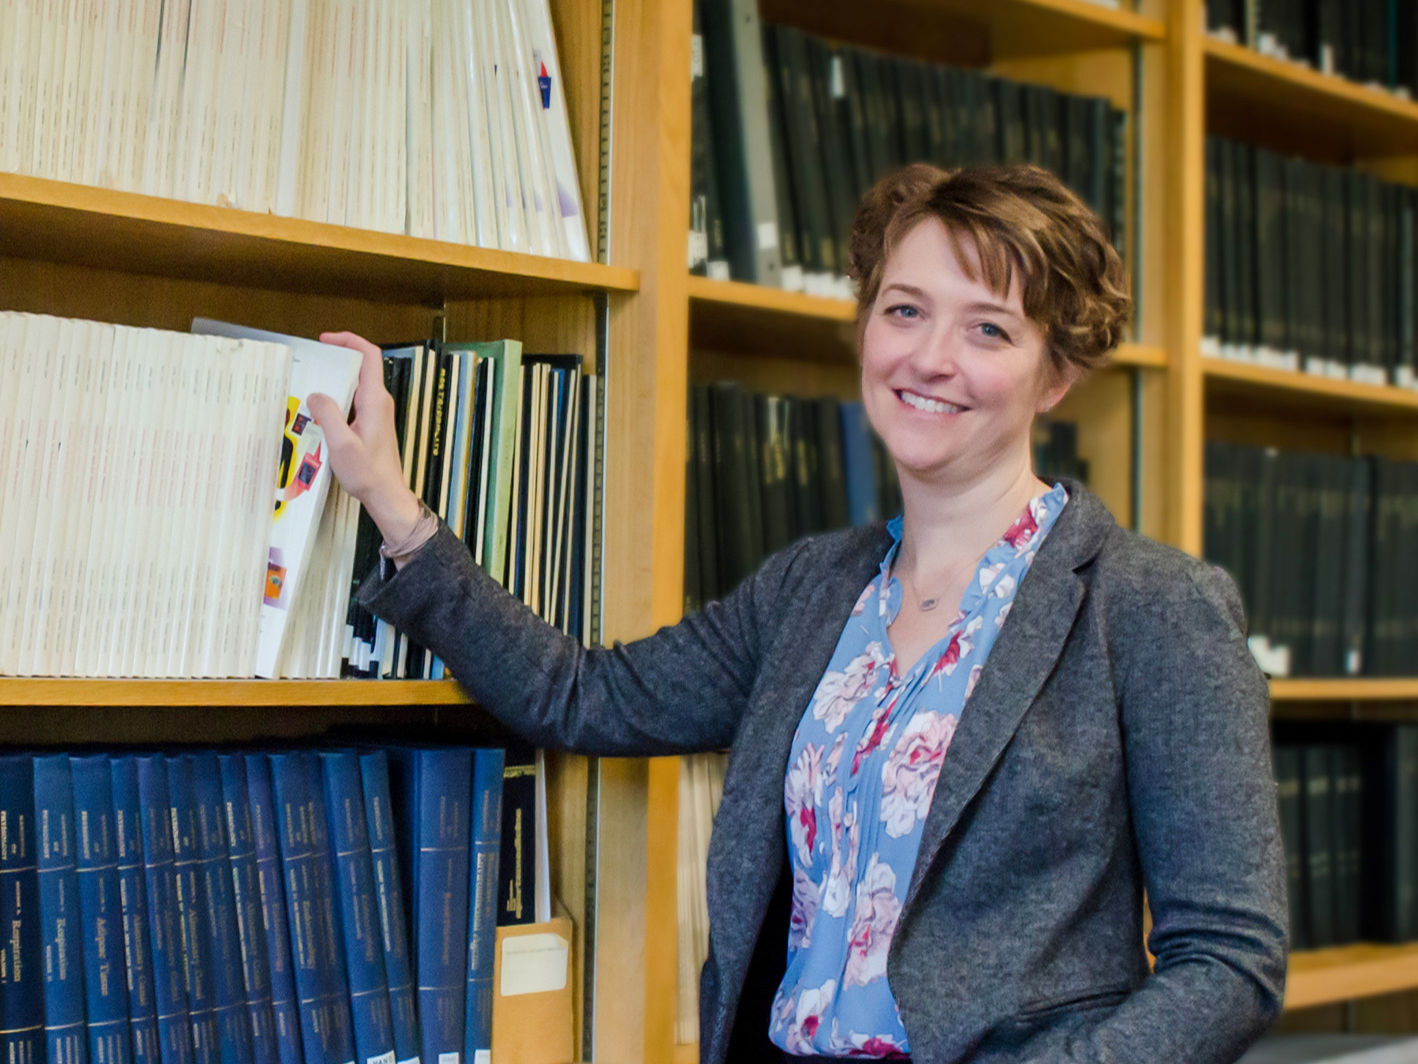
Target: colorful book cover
x=374, y=773
x=66, y=1039
x=482, y=902
x=303, y=477
x=356, y=902
x=271, y=882
x=133, y=898
x=22, y=1018
x=101, y=910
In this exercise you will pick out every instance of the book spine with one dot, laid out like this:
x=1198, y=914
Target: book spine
x=101, y=911
x=246, y=906
x=164, y=916
x=22, y=1012
x=378, y=815
x=64, y=1027
x=192, y=913
x=443, y=794
x=270, y=882
x=324, y=1005
x=516, y=865
x=1319, y=843
x=488, y=766
x=357, y=908
x=132, y=889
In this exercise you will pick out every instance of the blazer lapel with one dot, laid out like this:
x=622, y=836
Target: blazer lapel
x=1029, y=646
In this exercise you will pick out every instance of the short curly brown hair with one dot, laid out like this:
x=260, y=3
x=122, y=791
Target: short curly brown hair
x=1016, y=218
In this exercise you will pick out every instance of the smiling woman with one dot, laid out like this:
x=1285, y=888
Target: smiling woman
x=962, y=740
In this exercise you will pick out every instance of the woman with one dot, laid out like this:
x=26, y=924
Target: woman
x=918, y=852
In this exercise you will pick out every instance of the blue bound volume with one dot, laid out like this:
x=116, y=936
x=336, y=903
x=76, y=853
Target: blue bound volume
x=196, y=939
x=246, y=907
x=271, y=881
x=324, y=1004
x=65, y=1038
x=331, y=942
x=96, y=867
x=132, y=898
x=442, y=780
x=164, y=915
x=21, y=950
x=357, y=908
x=482, y=902
x=374, y=772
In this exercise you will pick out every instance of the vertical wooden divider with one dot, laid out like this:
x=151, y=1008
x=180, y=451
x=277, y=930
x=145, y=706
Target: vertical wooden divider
x=647, y=375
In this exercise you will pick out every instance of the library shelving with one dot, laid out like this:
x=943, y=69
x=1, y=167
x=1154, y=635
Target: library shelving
x=1327, y=976
x=1279, y=387
x=1357, y=689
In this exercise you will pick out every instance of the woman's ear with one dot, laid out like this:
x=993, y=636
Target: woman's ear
x=1058, y=382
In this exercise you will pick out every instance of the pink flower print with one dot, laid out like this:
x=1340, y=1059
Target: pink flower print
x=801, y=792
x=840, y=691
x=988, y=574
x=880, y=726
x=1020, y=534
x=807, y=1017
x=837, y=887
x=873, y=924
x=805, y=897
x=960, y=645
x=971, y=682
x=1003, y=613
x=881, y=1047
x=863, y=599
x=909, y=775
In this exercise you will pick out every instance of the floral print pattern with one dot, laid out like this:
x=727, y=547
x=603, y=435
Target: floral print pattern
x=863, y=770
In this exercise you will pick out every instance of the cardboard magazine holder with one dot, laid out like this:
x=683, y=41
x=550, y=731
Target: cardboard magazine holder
x=532, y=1019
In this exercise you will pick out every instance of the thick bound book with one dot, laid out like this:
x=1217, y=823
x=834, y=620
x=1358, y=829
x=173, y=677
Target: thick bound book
x=1316, y=774
x=66, y=1039
x=1288, y=800
x=517, y=866
x=133, y=896
x=101, y=909
x=194, y=915
x=22, y=1015
x=482, y=902
x=164, y=917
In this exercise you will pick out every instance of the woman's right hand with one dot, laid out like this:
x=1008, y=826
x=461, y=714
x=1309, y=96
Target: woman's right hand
x=364, y=454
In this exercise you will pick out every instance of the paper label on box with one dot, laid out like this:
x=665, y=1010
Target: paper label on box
x=533, y=964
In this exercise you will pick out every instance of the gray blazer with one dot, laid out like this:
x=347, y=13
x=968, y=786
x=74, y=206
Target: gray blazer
x=1117, y=741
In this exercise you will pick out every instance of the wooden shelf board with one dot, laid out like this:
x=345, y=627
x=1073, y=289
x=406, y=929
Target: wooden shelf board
x=17, y=691
x=57, y=221
x=750, y=318
x=1344, y=690
x=1283, y=103
x=1307, y=390
x=1322, y=977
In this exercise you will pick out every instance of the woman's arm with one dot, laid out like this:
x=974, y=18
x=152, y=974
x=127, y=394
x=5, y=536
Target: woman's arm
x=1195, y=712
x=682, y=689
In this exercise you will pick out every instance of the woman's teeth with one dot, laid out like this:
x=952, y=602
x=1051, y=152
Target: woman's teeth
x=930, y=406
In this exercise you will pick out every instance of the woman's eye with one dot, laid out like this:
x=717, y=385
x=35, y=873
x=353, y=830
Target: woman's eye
x=903, y=310
x=994, y=332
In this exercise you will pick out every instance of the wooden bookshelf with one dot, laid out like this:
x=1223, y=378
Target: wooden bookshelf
x=1302, y=392
x=76, y=224
x=1293, y=107
x=253, y=694
x=1326, y=976
x=1361, y=689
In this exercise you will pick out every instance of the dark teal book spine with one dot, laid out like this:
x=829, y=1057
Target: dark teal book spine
x=388, y=886
x=482, y=901
x=228, y=984
x=270, y=881
x=357, y=908
x=165, y=931
x=192, y=913
x=443, y=787
x=133, y=900
x=246, y=908
x=22, y=1039
x=66, y=1038
x=101, y=911
x=324, y=1003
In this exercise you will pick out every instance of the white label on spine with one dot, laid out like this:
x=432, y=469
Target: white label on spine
x=382, y=1058
x=696, y=56
x=482, y=1056
x=767, y=236
x=448, y=1058
x=839, y=83
x=533, y=964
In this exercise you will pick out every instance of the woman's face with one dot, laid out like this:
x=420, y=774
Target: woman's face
x=952, y=374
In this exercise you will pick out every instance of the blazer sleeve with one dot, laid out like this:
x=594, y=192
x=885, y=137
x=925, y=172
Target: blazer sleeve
x=1195, y=712
x=680, y=690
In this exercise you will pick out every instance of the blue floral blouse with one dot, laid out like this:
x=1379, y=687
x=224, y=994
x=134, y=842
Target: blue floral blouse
x=861, y=775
